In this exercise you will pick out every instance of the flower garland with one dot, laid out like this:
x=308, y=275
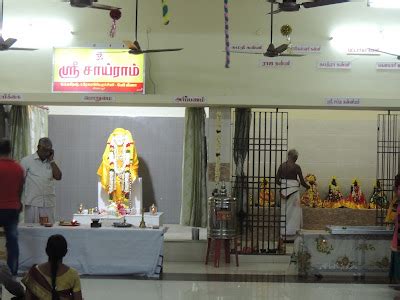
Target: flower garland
x=119, y=166
x=218, y=138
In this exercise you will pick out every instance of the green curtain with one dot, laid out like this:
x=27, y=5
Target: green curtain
x=19, y=132
x=194, y=180
x=3, y=116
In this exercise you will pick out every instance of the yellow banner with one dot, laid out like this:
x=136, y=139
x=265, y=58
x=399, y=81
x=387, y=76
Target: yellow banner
x=97, y=70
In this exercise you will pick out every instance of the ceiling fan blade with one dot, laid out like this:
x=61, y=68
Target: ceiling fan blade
x=379, y=51
x=129, y=44
x=27, y=49
x=161, y=50
x=289, y=54
x=9, y=42
x=318, y=3
x=247, y=52
x=104, y=7
x=281, y=48
x=275, y=12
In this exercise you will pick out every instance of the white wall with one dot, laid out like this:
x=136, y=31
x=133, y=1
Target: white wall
x=340, y=143
x=199, y=68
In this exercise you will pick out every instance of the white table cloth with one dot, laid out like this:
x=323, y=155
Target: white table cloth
x=99, y=251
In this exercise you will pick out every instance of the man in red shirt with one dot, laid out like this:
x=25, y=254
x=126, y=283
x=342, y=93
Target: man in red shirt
x=11, y=183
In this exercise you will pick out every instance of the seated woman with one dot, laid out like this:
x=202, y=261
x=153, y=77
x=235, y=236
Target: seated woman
x=53, y=280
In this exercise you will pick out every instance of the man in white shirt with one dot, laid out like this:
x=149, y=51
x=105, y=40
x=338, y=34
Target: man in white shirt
x=40, y=172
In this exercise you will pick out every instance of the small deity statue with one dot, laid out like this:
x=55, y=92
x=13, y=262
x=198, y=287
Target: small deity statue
x=356, y=199
x=335, y=196
x=266, y=196
x=153, y=209
x=311, y=197
x=80, y=209
x=392, y=211
x=378, y=198
x=119, y=166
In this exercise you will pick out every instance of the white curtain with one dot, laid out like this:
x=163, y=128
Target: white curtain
x=39, y=127
x=27, y=125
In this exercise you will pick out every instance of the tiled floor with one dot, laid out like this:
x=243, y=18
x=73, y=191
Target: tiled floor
x=253, y=279
x=104, y=289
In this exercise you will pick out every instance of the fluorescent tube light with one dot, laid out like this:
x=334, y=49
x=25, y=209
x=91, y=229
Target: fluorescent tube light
x=384, y=3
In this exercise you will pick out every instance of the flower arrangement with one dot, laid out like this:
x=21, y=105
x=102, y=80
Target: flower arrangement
x=378, y=198
x=311, y=196
x=335, y=196
x=266, y=196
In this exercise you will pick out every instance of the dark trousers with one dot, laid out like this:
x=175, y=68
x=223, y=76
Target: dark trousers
x=9, y=221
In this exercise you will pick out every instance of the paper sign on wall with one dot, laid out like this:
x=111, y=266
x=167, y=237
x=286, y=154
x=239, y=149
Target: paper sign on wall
x=306, y=49
x=275, y=63
x=361, y=51
x=388, y=66
x=11, y=96
x=98, y=98
x=247, y=48
x=343, y=101
x=341, y=65
x=190, y=99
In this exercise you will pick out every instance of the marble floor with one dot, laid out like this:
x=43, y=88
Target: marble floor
x=254, y=279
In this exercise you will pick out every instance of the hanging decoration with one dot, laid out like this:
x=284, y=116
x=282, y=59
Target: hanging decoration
x=165, y=13
x=115, y=15
x=286, y=30
x=227, y=47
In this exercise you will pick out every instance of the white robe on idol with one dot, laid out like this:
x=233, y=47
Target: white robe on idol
x=294, y=215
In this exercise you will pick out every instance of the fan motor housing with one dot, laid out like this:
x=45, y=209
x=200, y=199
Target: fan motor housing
x=81, y=3
x=289, y=5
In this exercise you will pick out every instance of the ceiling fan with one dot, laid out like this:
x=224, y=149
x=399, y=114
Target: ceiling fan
x=90, y=4
x=6, y=44
x=134, y=47
x=388, y=53
x=292, y=5
x=273, y=51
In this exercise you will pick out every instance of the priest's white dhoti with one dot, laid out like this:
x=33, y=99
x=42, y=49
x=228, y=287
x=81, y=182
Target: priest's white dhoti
x=291, y=203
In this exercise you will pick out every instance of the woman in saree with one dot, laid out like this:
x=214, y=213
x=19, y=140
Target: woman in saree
x=53, y=280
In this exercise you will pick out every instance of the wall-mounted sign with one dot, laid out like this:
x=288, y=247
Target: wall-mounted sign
x=98, y=98
x=341, y=65
x=343, y=101
x=11, y=96
x=388, y=66
x=307, y=49
x=247, y=48
x=88, y=70
x=190, y=99
x=361, y=51
x=275, y=63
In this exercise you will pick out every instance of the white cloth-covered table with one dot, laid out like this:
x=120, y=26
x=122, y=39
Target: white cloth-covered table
x=100, y=251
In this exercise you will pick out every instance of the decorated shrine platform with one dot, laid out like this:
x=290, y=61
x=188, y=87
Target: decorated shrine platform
x=319, y=218
x=151, y=220
x=358, y=252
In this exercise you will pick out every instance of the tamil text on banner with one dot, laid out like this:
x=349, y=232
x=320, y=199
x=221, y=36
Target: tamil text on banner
x=88, y=70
